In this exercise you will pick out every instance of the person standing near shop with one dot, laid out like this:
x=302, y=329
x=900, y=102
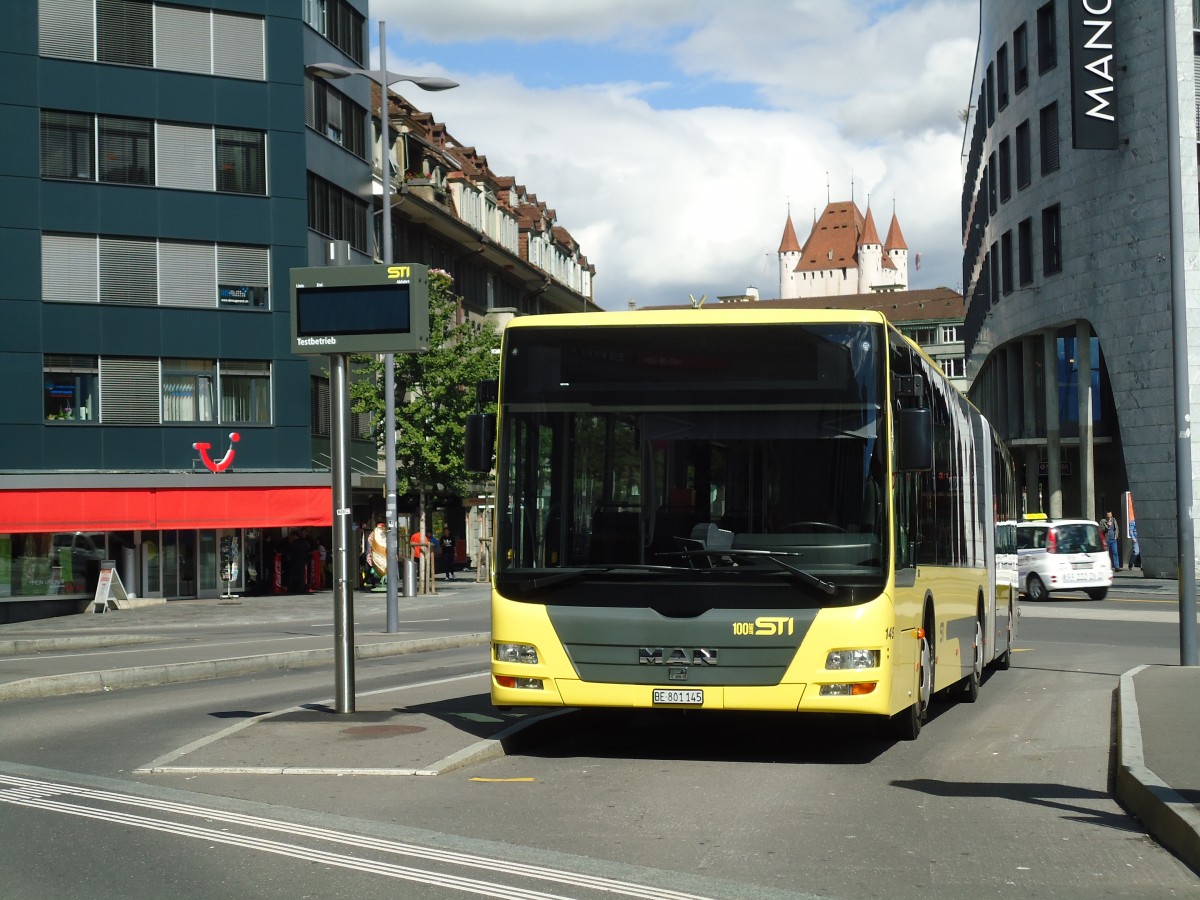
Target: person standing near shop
x=1109, y=525
x=447, y=546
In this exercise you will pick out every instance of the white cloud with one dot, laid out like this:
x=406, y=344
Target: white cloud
x=670, y=202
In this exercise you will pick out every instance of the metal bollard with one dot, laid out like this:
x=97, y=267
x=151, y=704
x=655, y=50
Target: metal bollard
x=410, y=577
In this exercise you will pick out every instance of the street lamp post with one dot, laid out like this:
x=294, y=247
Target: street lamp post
x=385, y=79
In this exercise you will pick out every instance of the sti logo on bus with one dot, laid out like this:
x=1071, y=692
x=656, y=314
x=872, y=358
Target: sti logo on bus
x=766, y=626
x=676, y=656
x=395, y=272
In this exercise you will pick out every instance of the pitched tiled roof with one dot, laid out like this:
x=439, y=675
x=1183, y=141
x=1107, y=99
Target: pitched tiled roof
x=937, y=304
x=869, y=234
x=789, y=243
x=833, y=243
x=895, y=240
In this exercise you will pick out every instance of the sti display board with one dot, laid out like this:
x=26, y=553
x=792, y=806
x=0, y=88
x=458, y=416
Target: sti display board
x=360, y=309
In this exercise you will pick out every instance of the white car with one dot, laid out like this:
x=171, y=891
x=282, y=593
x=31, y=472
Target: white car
x=1062, y=555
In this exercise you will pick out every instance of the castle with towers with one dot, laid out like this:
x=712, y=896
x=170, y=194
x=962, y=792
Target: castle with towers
x=843, y=255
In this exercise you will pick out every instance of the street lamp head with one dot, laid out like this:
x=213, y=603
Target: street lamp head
x=331, y=70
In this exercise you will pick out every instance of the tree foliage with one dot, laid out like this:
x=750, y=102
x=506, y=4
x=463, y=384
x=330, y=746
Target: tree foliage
x=435, y=391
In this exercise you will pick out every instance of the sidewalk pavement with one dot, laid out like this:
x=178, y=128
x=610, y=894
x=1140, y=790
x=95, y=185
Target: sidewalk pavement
x=443, y=724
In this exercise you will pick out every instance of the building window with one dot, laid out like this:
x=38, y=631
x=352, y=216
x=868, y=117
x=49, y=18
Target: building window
x=336, y=213
x=336, y=116
x=125, y=32
x=1006, y=262
x=1020, y=58
x=92, y=269
x=246, y=391
x=991, y=186
x=71, y=388
x=924, y=336
x=1049, y=138
x=994, y=272
x=948, y=334
x=1024, y=156
x=187, y=390
x=1047, y=38
x=1025, y=252
x=1002, y=76
x=990, y=90
x=140, y=33
x=954, y=366
x=1005, y=170
x=1051, y=240
x=241, y=161
x=68, y=145
x=126, y=150
x=340, y=23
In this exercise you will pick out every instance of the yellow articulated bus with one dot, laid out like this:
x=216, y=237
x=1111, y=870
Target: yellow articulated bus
x=788, y=510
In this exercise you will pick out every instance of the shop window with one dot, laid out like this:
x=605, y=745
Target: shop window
x=71, y=388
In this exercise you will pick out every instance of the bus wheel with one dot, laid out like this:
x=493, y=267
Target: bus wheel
x=969, y=686
x=907, y=723
x=1035, y=590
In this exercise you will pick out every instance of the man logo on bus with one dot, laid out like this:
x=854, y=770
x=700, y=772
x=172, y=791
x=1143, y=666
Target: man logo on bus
x=677, y=656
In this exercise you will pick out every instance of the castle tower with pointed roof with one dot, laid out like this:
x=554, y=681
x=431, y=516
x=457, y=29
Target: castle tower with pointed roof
x=842, y=255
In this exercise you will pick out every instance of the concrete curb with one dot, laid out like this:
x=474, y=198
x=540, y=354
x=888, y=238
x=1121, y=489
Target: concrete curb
x=24, y=646
x=1171, y=820
x=145, y=676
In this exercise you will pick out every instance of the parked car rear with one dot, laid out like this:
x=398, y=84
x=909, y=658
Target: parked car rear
x=1062, y=555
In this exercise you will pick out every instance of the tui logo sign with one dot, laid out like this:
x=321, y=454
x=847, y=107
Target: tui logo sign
x=224, y=462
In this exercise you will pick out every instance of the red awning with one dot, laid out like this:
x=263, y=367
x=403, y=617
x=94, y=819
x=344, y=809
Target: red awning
x=151, y=509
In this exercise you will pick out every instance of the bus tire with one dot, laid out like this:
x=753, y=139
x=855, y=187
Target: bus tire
x=969, y=687
x=906, y=724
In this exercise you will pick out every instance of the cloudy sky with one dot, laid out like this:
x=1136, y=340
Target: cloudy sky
x=673, y=136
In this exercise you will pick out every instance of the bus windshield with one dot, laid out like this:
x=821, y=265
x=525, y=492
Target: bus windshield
x=680, y=456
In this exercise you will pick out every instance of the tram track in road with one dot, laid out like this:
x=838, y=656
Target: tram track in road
x=451, y=869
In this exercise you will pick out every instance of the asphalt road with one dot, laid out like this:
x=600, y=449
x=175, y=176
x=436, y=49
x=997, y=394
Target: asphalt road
x=1010, y=796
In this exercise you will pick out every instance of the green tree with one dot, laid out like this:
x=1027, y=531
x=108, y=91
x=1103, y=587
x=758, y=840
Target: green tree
x=435, y=391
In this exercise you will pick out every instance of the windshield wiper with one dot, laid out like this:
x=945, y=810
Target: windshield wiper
x=774, y=557
x=769, y=555
x=565, y=576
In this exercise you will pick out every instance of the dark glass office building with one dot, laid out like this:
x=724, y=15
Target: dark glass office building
x=158, y=183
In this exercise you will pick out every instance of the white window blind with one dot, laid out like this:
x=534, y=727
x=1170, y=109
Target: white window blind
x=67, y=29
x=187, y=274
x=242, y=265
x=238, y=43
x=183, y=39
x=185, y=157
x=129, y=391
x=70, y=268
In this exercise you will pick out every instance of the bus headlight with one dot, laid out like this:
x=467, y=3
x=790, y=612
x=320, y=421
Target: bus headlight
x=852, y=659
x=515, y=653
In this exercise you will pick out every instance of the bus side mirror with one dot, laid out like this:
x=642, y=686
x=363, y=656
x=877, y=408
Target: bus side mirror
x=914, y=432
x=481, y=441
